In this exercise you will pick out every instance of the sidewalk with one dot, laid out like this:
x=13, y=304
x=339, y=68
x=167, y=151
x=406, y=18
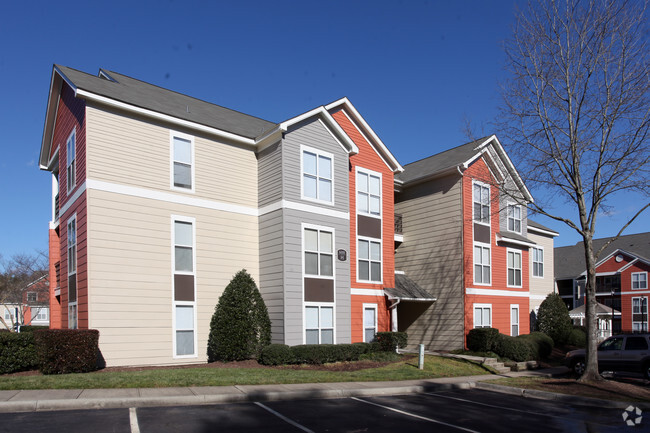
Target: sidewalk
x=68, y=399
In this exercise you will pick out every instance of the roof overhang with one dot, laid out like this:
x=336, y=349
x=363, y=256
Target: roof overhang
x=375, y=141
x=537, y=230
x=635, y=259
x=503, y=238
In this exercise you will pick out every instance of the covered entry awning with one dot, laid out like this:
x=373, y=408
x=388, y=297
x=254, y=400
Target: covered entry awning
x=408, y=290
x=601, y=310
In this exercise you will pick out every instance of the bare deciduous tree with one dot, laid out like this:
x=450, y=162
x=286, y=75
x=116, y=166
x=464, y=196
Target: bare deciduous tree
x=576, y=116
x=19, y=275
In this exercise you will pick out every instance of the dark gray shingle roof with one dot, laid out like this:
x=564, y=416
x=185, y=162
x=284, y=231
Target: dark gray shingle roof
x=439, y=162
x=145, y=95
x=535, y=224
x=570, y=260
x=407, y=289
x=515, y=236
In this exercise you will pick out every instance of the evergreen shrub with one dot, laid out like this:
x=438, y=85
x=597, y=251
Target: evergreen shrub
x=63, y=351
x=17, y=352
x=240, y=326
x=553, y=319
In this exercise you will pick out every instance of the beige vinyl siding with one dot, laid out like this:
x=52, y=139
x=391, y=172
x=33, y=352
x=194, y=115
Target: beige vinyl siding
x=432, y=256
x=134, y=151
x=130, y=272
x=270, y=174
x=541, y=287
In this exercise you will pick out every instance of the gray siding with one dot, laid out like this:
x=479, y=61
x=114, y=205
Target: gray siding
x=313, y=133
x=432, y=256
x=271, y=280
x=269, y=163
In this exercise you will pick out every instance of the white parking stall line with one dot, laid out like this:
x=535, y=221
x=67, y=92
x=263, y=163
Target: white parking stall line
x=284, y=418
x=527, y=412
x=133, y=417
x=415, y=415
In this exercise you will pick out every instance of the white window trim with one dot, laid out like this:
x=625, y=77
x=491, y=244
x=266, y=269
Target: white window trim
x=532, y=262
x=640, y=298
x=521, y=269
x=481, y=306
x=356, y=191
x=190, y=138
x=515, y=307
x=381, y=260
x=363, y=318
x=318, y=153
x=304, y=319
x=40, y=311
x=304, y=226
x=76, y=267
x=642, y=325
x=632, y=280
x=185, y=219
x=482, y=184
x=69, y=187
x=521, y=217
x=482, y=245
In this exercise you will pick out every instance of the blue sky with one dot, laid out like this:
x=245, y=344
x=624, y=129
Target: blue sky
x=414, y=69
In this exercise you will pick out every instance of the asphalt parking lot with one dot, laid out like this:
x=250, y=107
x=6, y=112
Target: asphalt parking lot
x=446, y=411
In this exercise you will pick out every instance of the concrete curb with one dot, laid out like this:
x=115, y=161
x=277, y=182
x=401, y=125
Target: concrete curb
x=564, y=398
x=187, y=400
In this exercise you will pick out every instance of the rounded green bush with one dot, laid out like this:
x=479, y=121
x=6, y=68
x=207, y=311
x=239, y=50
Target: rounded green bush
x=240, y=326
x=276, y=354
x=577, y=337
x=553, y=319
x=513, y=348
x=482, y=339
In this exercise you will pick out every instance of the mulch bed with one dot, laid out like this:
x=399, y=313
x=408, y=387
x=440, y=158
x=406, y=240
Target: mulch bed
x=251, y=363
x=621, y=389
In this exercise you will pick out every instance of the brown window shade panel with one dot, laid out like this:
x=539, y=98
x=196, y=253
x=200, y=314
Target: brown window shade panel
x=72, y=288
x=639, y=317
x=184, y=288
x=481, y=233
x=369, y=227
x=319, y=290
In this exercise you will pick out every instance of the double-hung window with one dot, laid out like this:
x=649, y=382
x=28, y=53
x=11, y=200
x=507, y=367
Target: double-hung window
x=317, y=175
x=481, y=264
x=514, y=268
x=182, y=161
x=319, y=324
x=514, y=218
x=482, y=315
x=481, y=200
x=184, y=301
x=369, y=254
x=368, y=193
x=39, y=314
x=31, y=296
x=71, y=150
x=72, y=273
x=639, y=281
x=319, y=252
x=640, y=310
x=538, y=261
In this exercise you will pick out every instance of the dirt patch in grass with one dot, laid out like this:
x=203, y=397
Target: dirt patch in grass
x=620, y=389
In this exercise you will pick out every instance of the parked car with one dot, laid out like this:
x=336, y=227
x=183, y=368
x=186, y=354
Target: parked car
x=625, y=352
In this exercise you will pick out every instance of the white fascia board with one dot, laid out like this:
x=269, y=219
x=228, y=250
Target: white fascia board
x=394, y=165
x=612, y=254
x=500, y=238
x=164, y=117
x=50, y=115
x=511, y=166
x=53, y=160
x=542, y=231
x=327, y=118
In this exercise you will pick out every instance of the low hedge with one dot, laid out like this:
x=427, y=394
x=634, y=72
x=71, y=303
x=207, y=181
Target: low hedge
x=32, y=328
x=482, y=339
x=315, y=354
x=541, y=344
x=67, y=350
x=577, y=337
x=17, y=352
x=389, y=341
x=514, y=348
x=276, y=354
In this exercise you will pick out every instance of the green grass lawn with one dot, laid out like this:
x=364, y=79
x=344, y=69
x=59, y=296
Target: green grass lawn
x=405, y=369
